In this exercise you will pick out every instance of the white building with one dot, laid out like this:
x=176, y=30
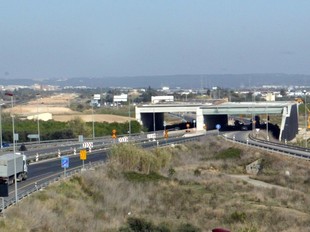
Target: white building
x=270, y=97
x=157, y=99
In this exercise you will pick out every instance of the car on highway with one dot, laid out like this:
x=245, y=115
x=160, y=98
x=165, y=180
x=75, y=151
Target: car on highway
x=5, y=144
x=244, y=128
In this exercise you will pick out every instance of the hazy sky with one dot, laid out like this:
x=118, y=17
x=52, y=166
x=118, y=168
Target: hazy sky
x=75, y=38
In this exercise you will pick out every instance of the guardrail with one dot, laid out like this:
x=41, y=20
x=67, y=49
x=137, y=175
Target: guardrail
x=49, y=143
x=293, y=151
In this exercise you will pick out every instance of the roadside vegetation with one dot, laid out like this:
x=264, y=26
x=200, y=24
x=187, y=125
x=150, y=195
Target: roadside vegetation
x=51, y=129
x=188, y=187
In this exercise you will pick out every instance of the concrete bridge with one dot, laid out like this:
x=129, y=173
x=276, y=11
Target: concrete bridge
x=209, y=115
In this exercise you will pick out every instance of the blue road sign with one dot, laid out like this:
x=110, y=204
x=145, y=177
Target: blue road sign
x=218, y=126
x=64, y=162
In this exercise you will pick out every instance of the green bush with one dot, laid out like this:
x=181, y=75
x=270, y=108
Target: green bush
x=238, y=216
x=63, y=130
x=171, y=172
x=138, y=177
x=197, y=172
x=142, y=225
x=188, y=228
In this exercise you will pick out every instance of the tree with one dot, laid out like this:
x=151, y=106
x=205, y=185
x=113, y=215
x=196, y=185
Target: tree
x=147, y=95
x=79, y=127
x=283, y=92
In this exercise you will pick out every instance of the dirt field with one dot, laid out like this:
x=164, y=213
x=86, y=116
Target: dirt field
x=89, y=118
x=58, y=106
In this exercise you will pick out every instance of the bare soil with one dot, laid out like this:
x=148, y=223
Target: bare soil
x=58, y=106
x=89, y=118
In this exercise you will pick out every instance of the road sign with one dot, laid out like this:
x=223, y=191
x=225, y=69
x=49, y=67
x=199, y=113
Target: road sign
x=16, y=136
x=33, y=136
x=4, y=191
x=166, y=134
x=88, y=144
x=151, y=136
x=123, y=140
x=218, y=126
x=64, y=162
x=83, y=154
x=114, y=134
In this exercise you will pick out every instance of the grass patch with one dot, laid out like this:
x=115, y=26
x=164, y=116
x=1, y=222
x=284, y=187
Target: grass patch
x=192, y=187
x=139, y=177
x=230, y=153
x=42, y=196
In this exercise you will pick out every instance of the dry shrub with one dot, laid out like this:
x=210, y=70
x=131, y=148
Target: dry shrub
x=130, y=158
x=275, y=167
x=58, y=214
x=163, y=156
x=127, y=155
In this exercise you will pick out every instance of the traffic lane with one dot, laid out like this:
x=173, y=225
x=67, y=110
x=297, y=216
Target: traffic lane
x=55, y=164
x=237, y=135
x=45, y=169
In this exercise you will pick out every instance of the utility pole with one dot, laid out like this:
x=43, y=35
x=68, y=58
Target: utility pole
x=306, y=142
x=14, y=149
x=38, y=117
x=129, y=123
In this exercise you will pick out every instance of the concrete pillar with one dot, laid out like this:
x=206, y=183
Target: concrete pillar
x=199, y=119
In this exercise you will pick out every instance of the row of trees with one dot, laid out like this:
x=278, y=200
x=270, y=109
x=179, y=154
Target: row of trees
x=51, y=129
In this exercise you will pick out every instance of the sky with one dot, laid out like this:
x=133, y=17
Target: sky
x=99, y=38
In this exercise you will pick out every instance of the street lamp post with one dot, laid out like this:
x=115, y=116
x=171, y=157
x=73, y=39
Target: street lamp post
x=253, y=115
x=38, y=118
x=267, y=126
x=267, y=122
x=154, y=124
x=92, y=109
x=129, y=123
x=14, y=150
x=1, y=142
x=306, y=142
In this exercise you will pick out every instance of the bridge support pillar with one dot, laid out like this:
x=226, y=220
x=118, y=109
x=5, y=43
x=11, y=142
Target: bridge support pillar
x=199, y=120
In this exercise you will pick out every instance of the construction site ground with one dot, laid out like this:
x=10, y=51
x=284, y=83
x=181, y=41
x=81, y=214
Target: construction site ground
x=59, y=107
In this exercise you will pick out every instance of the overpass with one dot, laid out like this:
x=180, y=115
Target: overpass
x=209, y=115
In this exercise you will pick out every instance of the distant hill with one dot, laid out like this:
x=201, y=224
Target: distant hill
x=197, y=81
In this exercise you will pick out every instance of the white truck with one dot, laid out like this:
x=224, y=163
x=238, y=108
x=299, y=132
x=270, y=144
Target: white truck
x=7, y=168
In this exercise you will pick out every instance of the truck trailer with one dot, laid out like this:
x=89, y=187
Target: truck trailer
x=7, y=168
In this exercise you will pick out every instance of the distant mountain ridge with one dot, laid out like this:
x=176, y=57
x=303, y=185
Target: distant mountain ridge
x=183, y=81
